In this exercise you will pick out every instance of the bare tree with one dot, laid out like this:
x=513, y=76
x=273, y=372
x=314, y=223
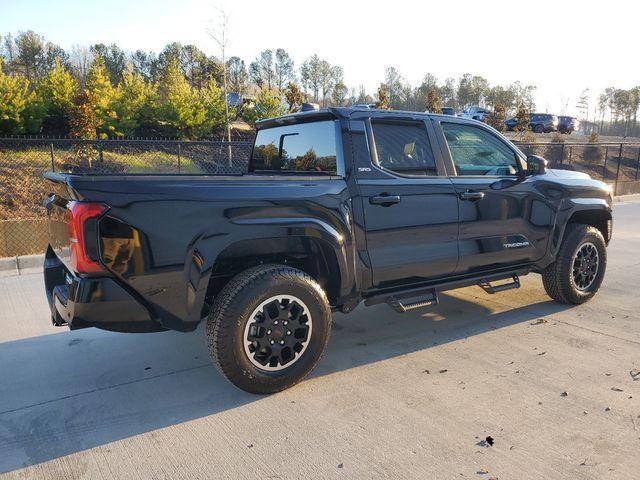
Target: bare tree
x=262, y=71
x=219, y=34
x=237, y=74
x=311, y=75
x=583, y=105
x=81, y=58
x=283, y=69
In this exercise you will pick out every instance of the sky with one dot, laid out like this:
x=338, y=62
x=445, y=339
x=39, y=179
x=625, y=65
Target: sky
x=562, y=47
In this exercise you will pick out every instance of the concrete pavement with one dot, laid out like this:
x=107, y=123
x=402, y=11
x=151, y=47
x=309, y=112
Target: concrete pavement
x=396, y=396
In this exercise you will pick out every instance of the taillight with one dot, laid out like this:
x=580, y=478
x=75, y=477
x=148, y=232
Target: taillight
x=83, y=231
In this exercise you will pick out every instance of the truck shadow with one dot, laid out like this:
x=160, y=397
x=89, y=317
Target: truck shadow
x=73, y=391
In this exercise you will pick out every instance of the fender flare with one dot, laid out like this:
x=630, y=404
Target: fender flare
x=205, y=250
x=573, y=206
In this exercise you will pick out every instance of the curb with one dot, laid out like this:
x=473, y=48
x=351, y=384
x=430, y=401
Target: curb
x=634, y=197
x=22, y=264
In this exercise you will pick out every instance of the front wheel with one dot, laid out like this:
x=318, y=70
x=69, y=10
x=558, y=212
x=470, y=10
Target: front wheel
x=268, y=328
x=577, y=273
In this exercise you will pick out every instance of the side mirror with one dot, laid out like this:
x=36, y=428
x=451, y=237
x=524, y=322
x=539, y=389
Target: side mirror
x=536, y=165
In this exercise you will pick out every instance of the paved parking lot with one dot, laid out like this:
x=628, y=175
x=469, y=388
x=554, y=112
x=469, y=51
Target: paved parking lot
x=396, y=396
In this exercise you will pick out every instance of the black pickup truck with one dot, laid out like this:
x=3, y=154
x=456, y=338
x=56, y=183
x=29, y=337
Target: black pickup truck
x=338, y=206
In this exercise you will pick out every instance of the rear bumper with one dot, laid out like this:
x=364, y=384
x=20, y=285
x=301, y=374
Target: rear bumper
x=99, y=302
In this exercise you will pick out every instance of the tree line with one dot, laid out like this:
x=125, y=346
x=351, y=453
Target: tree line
x=103, y=91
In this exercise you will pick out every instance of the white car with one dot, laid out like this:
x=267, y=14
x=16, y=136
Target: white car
x=476, y=113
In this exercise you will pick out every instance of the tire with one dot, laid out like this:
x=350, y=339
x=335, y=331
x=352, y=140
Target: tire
x=559, y=278
x=273, y=294
x=538, y=129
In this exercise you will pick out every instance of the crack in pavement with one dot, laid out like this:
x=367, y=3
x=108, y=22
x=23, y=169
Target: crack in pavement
x=101, y=389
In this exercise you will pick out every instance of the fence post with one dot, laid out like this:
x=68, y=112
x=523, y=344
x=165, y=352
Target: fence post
x=53, y=162
x=570, y=153
x=638, y=162
x=562, y=154
x=604, y=167
x=178, y=157
x=100, y=157
x=615, y=188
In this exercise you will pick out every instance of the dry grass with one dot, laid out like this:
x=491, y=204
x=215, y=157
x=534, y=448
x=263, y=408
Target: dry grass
x=21, y=173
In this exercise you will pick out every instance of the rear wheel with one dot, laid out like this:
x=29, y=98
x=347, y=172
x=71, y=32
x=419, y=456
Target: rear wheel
x=577, y=273
x=268, y=328
x=538, y=129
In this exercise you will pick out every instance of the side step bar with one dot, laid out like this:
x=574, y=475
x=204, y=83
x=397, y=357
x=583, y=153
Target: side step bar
x=487, y=287
x=430, y=300
x=411, y=299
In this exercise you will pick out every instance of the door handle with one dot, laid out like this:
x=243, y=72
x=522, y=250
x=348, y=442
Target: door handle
x=384, y=200
x=471, y=196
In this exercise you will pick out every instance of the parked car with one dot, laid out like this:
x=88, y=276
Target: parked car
x=567, y=124
x=338, y=207
x=448, y=111
x=476, y=113
x=511, y=124
x=538, y=122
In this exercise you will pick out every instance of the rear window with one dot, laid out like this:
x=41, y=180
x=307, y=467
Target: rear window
x=305, y=147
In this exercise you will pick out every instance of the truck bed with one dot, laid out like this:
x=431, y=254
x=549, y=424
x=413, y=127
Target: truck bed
x=161, y=234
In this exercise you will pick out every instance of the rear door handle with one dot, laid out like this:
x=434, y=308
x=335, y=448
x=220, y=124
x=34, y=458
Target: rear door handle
x=471, y=196
x=384, y=200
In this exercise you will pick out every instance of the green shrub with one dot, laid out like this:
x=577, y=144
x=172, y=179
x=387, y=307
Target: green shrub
x=593, y=152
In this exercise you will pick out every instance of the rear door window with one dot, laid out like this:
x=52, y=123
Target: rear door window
x=304, y=147
x=404, y=147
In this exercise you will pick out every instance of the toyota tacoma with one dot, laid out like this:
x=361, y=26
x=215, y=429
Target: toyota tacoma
x=337, y=207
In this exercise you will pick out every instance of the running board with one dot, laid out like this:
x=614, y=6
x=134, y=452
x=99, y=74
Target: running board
x=427, y=295
x=430, y=300
x=489, y=288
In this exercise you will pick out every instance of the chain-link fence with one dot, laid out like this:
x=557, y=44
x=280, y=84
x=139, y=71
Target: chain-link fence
x=23, y=161
x=617, y=164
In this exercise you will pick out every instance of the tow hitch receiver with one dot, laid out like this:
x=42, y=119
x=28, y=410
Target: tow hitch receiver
x=489, y=288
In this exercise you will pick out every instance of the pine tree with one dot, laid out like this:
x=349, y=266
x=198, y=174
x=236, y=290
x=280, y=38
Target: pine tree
x=84, y=124
x=20, y=110
x=214, y=106
x=497, y=117
x=383, y=98
x=267, y=105
x=102, y=96
x=522, y=118
x=83, y=121
x=293, y=95
x=57, y=90
x=433, y=102
x=593, y=152
x=181, y=106
x=13, y=100
x=134, y=104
